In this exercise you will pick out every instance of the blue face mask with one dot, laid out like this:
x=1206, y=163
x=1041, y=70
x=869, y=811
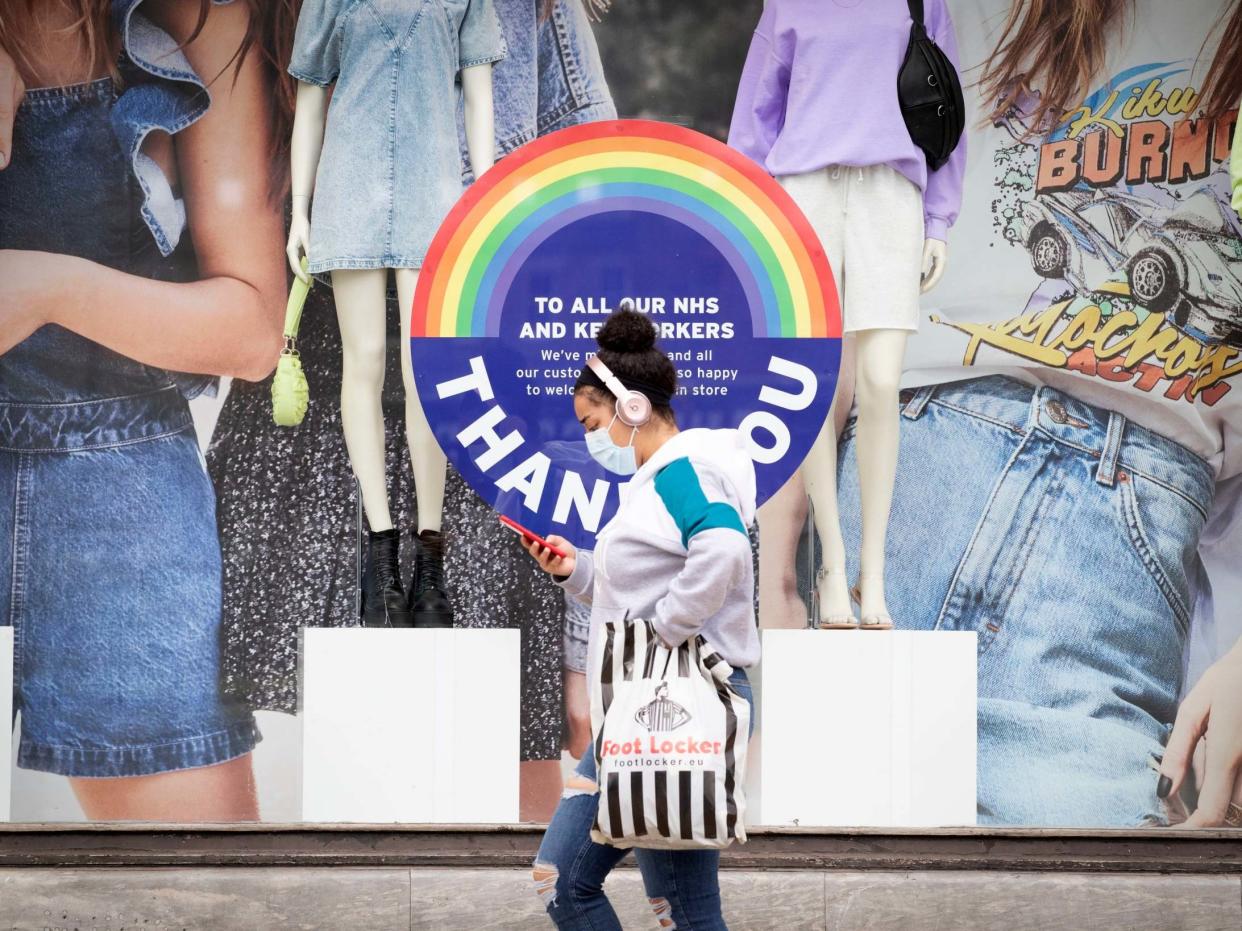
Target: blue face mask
x=619, y=460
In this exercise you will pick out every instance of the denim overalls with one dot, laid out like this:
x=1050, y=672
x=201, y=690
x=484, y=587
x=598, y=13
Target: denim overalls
x=109, y=560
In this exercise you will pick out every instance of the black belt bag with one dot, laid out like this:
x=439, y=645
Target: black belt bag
x=930, y=94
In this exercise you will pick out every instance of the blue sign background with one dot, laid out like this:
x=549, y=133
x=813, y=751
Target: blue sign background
x=598, y=260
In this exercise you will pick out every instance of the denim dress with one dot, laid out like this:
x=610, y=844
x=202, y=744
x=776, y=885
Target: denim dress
x=551, y=76
x=390, y=169
x=108, y=549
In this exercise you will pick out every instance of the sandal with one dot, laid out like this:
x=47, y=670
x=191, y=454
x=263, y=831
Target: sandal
x=870, y=621
x=838, y=621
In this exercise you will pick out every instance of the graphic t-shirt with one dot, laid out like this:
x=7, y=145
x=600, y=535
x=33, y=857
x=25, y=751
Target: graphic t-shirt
x=1101, y=255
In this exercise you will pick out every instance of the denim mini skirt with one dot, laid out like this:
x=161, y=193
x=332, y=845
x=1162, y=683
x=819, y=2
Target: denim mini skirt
x=111, y=570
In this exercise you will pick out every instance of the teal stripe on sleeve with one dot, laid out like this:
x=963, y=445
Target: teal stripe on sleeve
x=678, y=486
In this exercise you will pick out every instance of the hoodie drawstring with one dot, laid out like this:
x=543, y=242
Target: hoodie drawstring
x=836, y=173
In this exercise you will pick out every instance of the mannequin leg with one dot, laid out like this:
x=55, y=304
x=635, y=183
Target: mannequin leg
x=781, y=519
x=540, y=784
x=429, y=460
x=819, y=473
x=879, y=359
x=360, y=310
x=429, y=602
x=822, y=199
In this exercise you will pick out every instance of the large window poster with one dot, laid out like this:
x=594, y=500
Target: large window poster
x=1069, y=473
x=1093, y=300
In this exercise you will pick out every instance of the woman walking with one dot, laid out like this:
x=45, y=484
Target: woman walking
x=677, y=553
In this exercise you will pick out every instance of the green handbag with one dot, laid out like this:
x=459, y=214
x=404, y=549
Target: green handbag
x=290, y=394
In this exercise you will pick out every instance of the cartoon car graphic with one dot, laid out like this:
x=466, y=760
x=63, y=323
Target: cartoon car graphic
x=1080, y=233
x=1184, y=261
x=1191, y=270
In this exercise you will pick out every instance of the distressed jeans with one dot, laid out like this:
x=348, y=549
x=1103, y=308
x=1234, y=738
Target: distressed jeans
x=682, y=885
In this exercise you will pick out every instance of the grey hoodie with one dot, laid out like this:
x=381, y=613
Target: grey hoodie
x=677, y=552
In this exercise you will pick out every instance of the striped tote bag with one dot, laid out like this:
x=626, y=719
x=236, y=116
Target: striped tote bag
x=670, y=739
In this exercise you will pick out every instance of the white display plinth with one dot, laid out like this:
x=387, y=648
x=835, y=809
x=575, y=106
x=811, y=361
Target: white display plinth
x=6, y=714
x=868, y=728
x=414, y=726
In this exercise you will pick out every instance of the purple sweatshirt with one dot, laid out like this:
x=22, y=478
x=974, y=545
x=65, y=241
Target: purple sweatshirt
x=820, y=88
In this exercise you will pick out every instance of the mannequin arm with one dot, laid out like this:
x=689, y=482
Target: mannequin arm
x=309, y=116
x=935, y=255
x=762, y=92
x=480, y=118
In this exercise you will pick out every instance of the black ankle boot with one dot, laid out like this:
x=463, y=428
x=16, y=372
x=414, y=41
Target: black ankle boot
x=429, y=602
x=383, y=598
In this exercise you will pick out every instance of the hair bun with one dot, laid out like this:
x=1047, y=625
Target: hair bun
x=626, y=330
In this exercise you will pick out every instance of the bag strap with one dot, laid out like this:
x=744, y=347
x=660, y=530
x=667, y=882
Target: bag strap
x=297, y=300
x=916, y=14
x=714, y=665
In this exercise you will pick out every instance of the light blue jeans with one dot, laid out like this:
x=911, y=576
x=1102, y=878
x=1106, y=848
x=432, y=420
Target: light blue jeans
x=682, y=885
x=1065, y=537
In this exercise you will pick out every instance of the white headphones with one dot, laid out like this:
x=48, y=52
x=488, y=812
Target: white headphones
x=633, y=407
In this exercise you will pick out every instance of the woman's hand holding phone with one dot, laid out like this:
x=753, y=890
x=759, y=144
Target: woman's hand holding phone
x=548, y=561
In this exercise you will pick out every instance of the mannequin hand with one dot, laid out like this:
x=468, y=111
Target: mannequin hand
x=12, y=91
x=549, y=563
x=1211, y=712
x=299, y=240
x=935, y=255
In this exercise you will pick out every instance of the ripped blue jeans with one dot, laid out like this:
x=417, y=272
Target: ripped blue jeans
x=682, y=886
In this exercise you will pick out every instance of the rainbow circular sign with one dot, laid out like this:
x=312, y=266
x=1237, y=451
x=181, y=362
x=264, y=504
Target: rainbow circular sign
x=536, y=254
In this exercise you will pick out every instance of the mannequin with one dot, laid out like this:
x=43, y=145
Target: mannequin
x=882, y=217
x=360, y=286
x=877, y=356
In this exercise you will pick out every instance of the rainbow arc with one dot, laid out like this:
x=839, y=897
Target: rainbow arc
x=626, y=165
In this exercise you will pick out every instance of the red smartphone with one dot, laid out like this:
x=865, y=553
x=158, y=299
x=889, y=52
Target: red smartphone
x=532, y=536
